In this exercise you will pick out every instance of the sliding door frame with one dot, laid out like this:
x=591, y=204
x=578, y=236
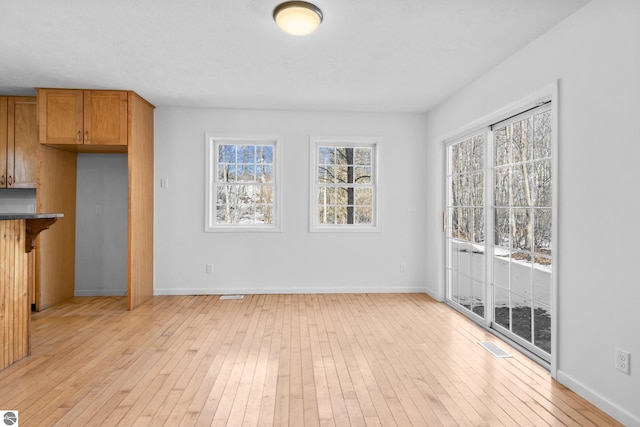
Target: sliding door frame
x=546, y=94
x=484, y=132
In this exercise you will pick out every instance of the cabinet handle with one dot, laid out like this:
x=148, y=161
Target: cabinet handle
x=86, y=136
x=2, y=180
x=78, y=136
x=10, y=180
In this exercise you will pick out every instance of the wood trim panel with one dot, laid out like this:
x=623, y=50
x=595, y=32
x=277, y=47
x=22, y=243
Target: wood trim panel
x=55, y=249
x=32, y=278
x=140, y=137
x=14, y=293
x=88, y=148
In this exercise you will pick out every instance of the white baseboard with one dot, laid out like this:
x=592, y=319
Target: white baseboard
x=620, y=414
x=100, y=293
x=251, y=291
x=435, y=295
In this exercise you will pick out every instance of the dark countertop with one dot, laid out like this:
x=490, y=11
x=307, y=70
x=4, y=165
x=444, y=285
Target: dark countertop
x=14, y=216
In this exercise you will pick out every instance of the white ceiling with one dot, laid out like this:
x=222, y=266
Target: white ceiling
x=368, y=55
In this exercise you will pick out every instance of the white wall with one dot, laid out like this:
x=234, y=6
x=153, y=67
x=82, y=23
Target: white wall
x=101, y=233
x=17, y=200
x=293, y=260
x=595, y=55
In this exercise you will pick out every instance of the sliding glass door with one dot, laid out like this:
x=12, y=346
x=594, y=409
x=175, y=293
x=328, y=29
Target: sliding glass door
x=499, y=259
x=522, y=241
x=465, y=234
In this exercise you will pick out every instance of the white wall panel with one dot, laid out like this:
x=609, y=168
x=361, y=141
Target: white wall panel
x=293, y=260
x=595, y=57
x=101, y=225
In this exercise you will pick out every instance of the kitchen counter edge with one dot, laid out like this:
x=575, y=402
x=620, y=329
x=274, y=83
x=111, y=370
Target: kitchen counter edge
x=17, y=216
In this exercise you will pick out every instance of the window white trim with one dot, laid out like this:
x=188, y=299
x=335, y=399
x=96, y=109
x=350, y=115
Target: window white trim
x=545, y=94
x=211, y=173
x=355, y=142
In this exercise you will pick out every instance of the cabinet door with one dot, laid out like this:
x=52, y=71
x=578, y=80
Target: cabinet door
x=60, y=116
x=105, y=117
x=22, y=142
x=3, y=141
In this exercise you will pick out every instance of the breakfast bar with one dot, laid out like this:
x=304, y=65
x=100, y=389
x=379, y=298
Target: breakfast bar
x=17, y=238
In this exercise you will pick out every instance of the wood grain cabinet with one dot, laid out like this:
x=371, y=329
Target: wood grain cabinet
x=18, y=142
x=74, y=121
x=82, y=117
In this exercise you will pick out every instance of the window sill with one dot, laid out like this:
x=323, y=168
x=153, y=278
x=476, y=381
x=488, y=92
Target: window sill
x=243, y=229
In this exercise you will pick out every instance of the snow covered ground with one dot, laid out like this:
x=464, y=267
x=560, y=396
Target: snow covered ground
x=527, y=281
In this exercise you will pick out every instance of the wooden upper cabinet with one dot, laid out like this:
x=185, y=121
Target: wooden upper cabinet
x=18, y=142
x=105, y=117
x=22, y=140
x=60, y=116
x=3, y=142
x=82, y=117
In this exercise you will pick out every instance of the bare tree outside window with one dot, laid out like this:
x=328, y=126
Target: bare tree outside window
x=345, y=188
x=245, y=184
x=242, y=191
x=522, y=192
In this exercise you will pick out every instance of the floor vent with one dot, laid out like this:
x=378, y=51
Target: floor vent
x=494, y=349
x=231, y=296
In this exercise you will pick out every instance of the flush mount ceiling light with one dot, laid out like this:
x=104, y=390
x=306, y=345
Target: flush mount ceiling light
x=297, y=17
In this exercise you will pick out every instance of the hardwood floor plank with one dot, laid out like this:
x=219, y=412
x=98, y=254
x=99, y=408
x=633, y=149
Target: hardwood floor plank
x=226, y=318
x=321, y=386
x=143, y=393
x=303, y=360
x=409, y=393
x=270, y=393
x=504, y=382
x=130, y=360
x=260, y=350
x=191, y=384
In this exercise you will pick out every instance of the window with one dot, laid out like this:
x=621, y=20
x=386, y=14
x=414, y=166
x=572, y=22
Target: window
x=242, y=184
x=344, y=184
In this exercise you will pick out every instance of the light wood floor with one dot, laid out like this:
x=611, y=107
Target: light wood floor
x=298, y=360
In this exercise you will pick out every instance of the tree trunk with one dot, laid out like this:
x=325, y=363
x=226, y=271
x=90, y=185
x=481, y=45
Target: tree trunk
x=350, y=189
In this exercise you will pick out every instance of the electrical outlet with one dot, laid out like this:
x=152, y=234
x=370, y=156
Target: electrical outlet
x=623, y=361
x=209, y=268
x=402, y=268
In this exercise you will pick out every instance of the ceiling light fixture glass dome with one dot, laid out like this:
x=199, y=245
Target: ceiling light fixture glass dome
x=297, y=17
